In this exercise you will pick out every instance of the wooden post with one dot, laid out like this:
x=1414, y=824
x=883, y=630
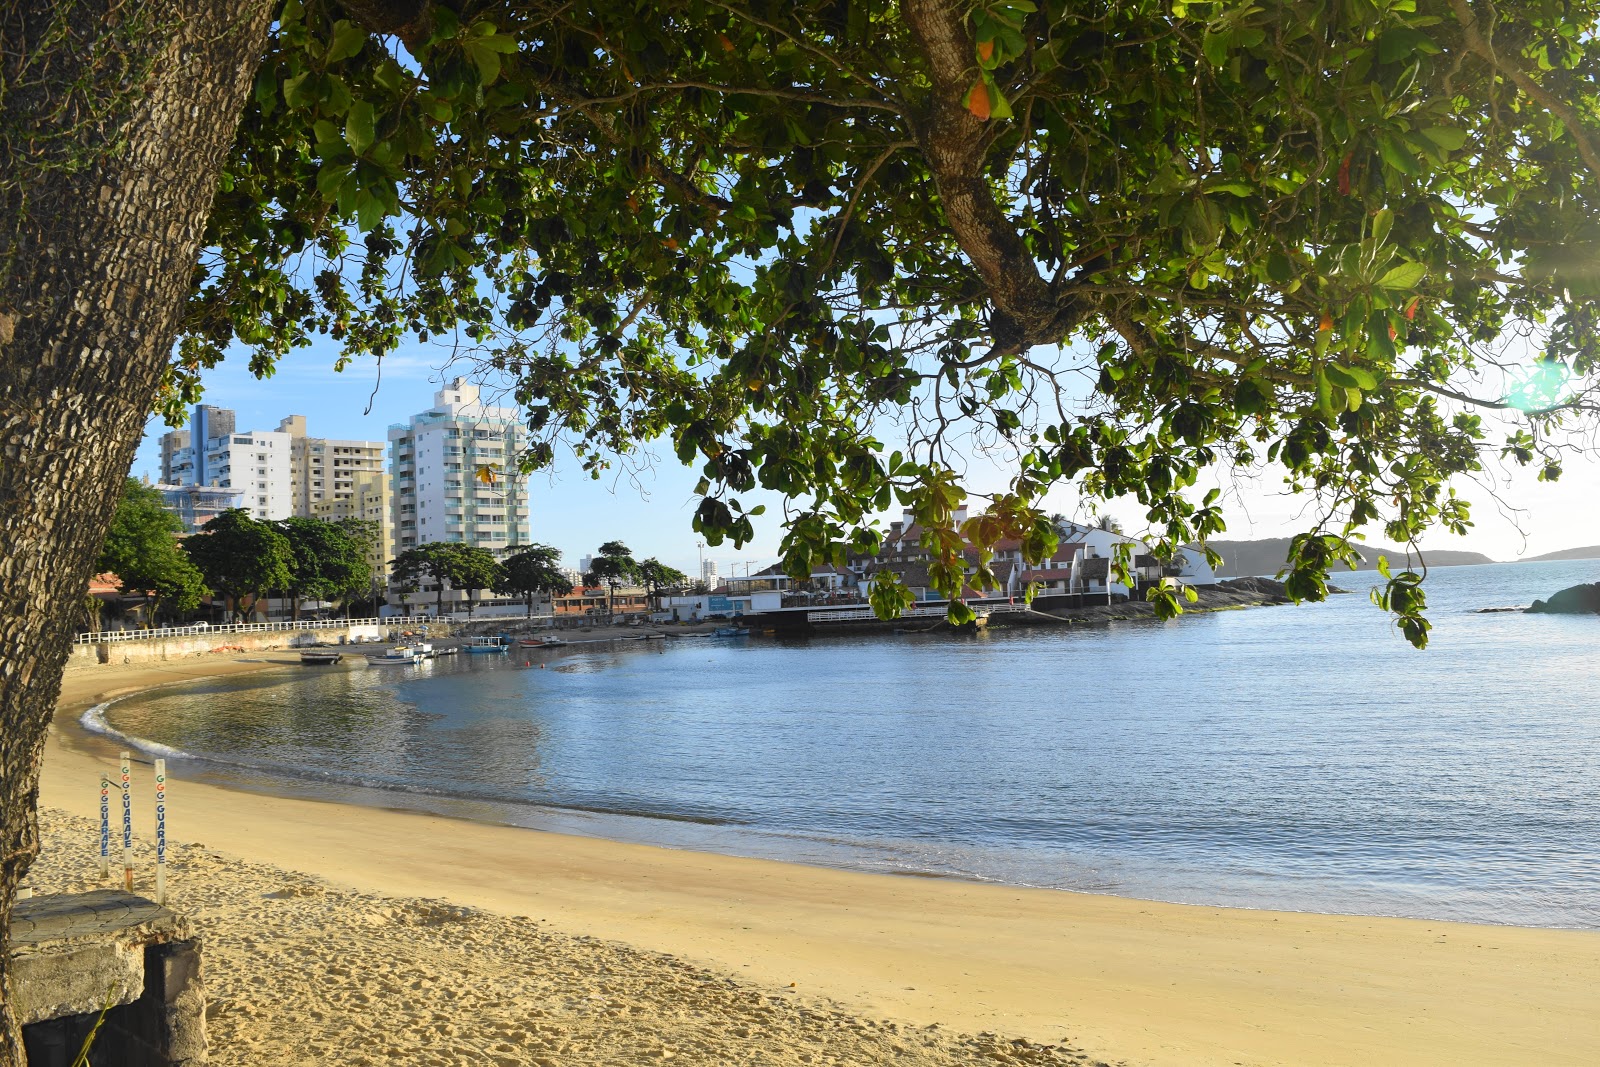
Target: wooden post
x=105, y=827
x=161, y=831
x=127, y=824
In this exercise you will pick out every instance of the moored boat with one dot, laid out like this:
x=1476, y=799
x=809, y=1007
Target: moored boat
x=488, y=644
x=732, y=631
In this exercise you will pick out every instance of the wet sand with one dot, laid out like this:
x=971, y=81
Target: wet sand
x=320, y=917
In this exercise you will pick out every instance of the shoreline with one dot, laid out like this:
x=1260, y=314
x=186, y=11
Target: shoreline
x=1123, y=979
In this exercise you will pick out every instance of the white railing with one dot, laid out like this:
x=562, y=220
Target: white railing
x=225, y=628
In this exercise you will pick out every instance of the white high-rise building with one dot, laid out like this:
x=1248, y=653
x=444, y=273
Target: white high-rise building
x=254, y=464
x=454, y=471
x=708, y=572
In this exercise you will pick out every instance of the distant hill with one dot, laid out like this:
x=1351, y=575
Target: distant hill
x=1267, y=557
x=1591, y=552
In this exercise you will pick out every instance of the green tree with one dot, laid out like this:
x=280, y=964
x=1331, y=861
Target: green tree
x=142, y=550
x=431, y=560
x=367, y=535
x=656, y=576
x=239, y=556
x=326, y=560
x=611, y=567
x=531, y=570
x=1281, y=233
x=472, y=568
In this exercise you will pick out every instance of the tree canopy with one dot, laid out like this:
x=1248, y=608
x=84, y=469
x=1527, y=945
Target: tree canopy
x=142, y=549
x=464, y=566
x=326, y=559
x=532, y=569
x=241, y=556
x=828, y=248
x=656, y=576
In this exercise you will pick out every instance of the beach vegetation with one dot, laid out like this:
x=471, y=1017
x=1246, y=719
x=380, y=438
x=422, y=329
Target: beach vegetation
x=142, y=549
x=825, y=249
x=241, y=557
x=656, y=576
x=462, y=566
x=530, y=571
x=326, y=560
x=473, y=568
x=612, y=566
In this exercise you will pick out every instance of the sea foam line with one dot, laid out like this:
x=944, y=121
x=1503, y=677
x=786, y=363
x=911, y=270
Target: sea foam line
x=94, y=721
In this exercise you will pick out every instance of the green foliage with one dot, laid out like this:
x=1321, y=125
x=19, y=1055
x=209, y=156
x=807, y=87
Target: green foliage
x=532, y=569
x=142, y=549
x=328, y=559
x=656, y=576
x=612, y=566
x=472, y=568
x=464, y=566
x=240, y=556
x=1280, y=233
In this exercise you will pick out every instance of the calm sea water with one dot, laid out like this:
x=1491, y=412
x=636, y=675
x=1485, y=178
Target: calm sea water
x=1300, y=758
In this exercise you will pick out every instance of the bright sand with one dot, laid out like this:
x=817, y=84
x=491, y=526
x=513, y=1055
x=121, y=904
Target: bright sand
x=399, y=941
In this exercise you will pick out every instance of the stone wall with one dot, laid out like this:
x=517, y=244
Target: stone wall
x=88, y=655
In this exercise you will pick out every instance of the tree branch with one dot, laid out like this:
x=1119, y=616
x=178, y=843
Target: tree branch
x=1480, y=46
x=952, y=141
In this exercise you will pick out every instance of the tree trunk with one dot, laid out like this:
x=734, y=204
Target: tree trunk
x=114, y=124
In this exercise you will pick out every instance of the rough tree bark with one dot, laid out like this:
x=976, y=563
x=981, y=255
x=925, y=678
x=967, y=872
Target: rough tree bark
x=115, y=117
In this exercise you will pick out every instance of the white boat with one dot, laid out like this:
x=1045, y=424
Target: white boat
x=397, y=654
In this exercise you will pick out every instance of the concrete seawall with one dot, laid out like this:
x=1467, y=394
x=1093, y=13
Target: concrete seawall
x=165, y=648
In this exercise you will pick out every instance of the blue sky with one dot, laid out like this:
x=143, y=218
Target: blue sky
x=651, y=508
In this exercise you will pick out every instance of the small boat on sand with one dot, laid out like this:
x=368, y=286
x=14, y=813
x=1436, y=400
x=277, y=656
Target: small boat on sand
x=320, y=659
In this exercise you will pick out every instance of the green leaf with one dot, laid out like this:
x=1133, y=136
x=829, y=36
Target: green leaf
x=1446, y=137
x=358, y=126
x=1401, y=42
x=1382, y=222
x=348, y=39
x=1404, y=276
x=369, y=210
x=1215, y=45
x=1234, y=187
x=1397, y=155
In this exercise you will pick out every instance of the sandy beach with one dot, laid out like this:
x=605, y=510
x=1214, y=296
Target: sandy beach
x=337, y=934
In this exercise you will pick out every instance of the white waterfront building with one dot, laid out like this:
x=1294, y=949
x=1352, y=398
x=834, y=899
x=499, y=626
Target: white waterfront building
x=255, y=464
x=453, y=471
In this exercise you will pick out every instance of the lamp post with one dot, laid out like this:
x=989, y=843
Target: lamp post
x=700, y=546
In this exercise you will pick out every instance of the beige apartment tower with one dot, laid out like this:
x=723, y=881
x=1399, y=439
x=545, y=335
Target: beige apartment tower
x=323, y=469
x=367, y=499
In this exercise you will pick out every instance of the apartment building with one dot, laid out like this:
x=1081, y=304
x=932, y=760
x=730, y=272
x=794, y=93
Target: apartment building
x=179, y=461
x=256, y=463
x=454, y=476
x=367, y=498
x=322, y=468
x=196, y=505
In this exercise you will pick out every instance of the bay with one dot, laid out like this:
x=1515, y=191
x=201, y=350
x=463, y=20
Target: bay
x=1298, y=758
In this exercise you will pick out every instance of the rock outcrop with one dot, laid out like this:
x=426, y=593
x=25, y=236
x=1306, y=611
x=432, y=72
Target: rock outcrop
x=1578, y=600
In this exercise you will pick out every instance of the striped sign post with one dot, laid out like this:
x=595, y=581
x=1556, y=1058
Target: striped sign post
x=127, y=823
x=105, y=827
x=161, y=831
